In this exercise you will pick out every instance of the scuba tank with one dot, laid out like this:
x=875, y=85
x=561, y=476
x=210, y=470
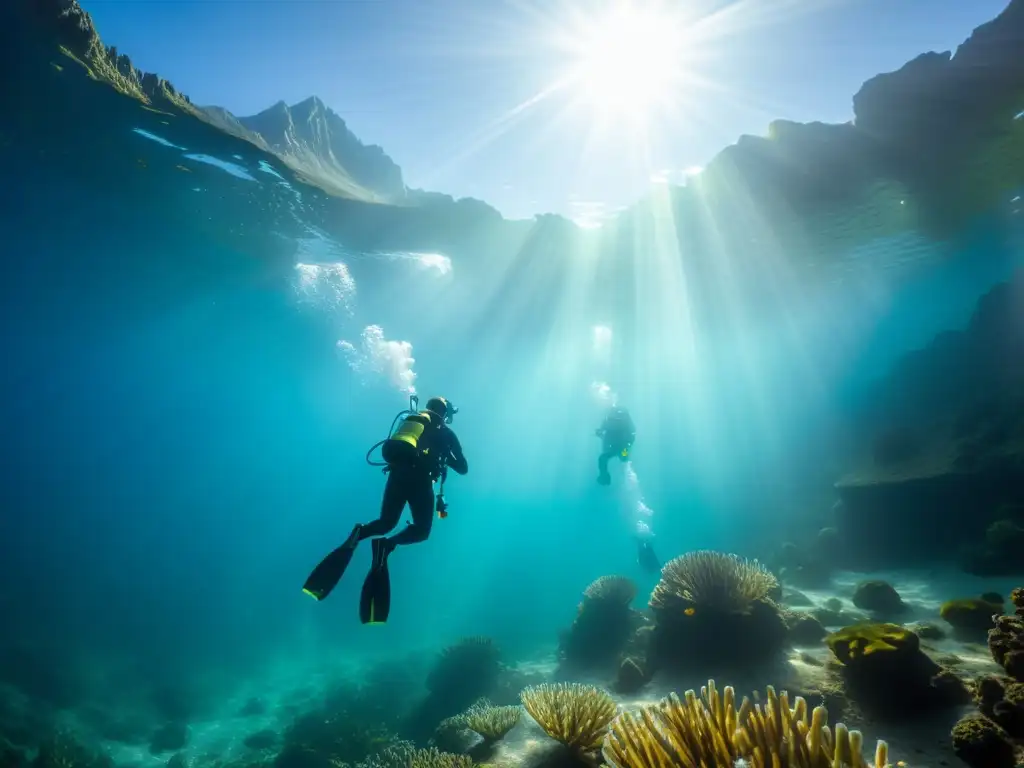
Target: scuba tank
x=410, y=443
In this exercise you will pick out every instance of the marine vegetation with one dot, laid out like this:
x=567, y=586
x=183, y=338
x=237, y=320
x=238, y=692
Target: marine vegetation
x=602, y=627
x=573, y=714
x=492, y=723
x=715, y=610
x=710, y=731
x=462, y=674
x=1006, y=639
x=886, y=672
x=434, y=758
x=708, y=580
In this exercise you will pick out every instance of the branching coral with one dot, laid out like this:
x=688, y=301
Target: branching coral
x=576, y=715
x=712, y=580
x=492, y=723
x=709, y=732
x=612, y=589
x=434, y=758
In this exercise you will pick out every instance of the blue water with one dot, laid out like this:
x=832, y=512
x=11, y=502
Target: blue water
x=188, y=402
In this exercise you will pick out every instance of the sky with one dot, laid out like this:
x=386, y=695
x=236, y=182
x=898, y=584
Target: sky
x=511, y=102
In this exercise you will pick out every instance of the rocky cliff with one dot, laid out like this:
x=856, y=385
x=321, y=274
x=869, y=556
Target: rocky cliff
x=316, y=140
x=944, y=444
x=310, y=138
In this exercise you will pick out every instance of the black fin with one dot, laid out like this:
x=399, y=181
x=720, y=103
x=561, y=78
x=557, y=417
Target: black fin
x=328, y=573
x=375, y=600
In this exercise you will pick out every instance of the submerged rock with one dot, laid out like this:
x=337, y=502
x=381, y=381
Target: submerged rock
x=982, y=744
x=878, y=597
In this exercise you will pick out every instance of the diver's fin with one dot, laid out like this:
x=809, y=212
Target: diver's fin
x=375, y=600
x=604, y=479
x=328, y=573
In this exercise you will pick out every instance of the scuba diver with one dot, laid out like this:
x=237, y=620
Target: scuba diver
x=416, y=455
x=617, y=434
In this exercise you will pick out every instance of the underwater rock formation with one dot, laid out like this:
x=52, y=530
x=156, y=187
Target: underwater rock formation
x=1000, y=553
x=1006, y=639
x=982, y=744
x=972, y=617
x=1003, y=703
x=713, y=610
x=711, y=731
x=964, y=394
x=604, y=623
x=879, y=597
x=886, y=672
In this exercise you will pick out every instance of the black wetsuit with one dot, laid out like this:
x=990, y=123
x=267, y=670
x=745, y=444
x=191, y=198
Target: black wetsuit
x=617, y=434
x=414, y=485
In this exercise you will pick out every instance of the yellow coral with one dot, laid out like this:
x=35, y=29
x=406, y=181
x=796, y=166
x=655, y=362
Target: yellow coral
x=576, y=715
x=854, y=642
x=709, y=732
x=712, y=580
x=492, y=723
x=434, y=758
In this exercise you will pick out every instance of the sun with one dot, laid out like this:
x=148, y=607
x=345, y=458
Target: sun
x=627, y=62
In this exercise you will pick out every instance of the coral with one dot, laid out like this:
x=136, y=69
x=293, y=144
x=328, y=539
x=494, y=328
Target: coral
x=631, y=676
x=710, y=731
x=712, y=580
x=602, y=627
x=462, y=674
x=878, y=597
x=492, y=723
x=575, y=715
x=982, y=744
x=886, y=671
x=434, y=758
x=709, y=607
x=970, y=616
x=612, y=589
x=713, y=609
x=1006, y=639
x=340, y=731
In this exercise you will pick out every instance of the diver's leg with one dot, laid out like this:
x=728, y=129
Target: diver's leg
x=421, y=506
x=602, y=468
x=391, y=505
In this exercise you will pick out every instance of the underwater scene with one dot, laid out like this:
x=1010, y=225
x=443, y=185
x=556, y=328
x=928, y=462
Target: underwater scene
x=304, y=467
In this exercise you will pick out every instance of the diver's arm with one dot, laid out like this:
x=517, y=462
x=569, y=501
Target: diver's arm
x=456, y=460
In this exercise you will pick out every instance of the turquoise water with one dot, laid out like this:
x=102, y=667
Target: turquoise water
x=199, y=351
